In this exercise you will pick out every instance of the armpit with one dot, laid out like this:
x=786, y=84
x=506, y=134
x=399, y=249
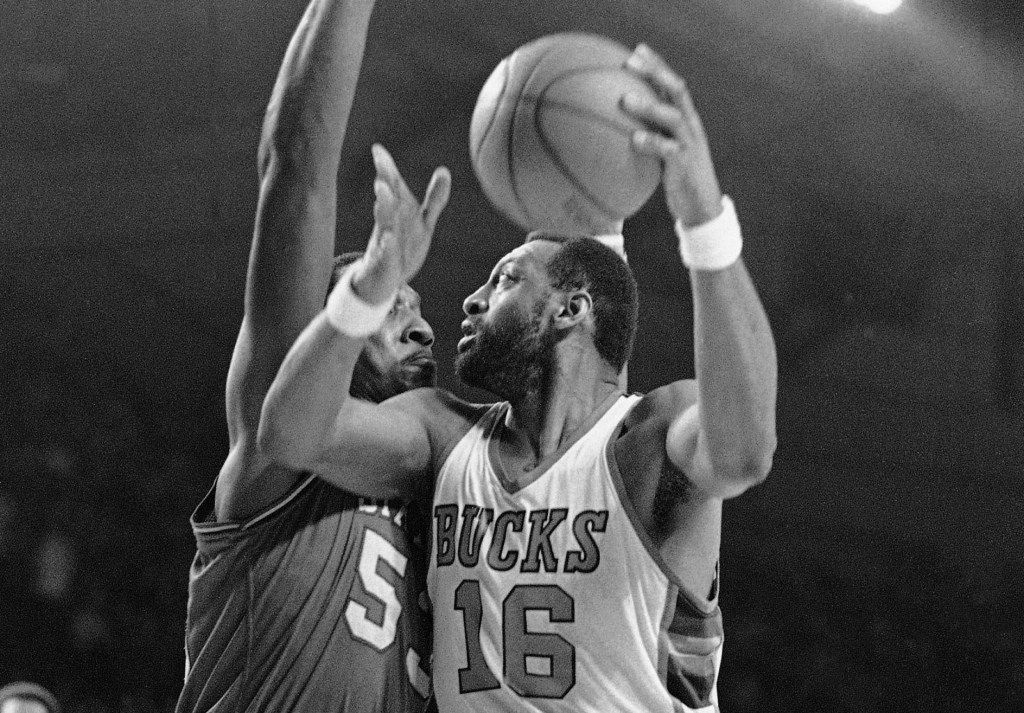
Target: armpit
x=674, y=488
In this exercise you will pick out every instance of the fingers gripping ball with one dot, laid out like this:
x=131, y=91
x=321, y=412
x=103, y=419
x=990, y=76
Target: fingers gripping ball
x=549, y=142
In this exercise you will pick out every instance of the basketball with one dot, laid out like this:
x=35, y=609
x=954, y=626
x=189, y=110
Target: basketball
x=549, y=142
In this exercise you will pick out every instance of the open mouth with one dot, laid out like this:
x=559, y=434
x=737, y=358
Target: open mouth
x=468, y=335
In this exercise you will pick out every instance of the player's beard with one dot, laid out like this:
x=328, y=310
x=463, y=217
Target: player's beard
x=369, y=382
x=510, y=357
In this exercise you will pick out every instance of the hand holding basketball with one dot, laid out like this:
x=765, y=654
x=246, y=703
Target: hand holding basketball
x=402, y=230
x=676, y=136
x=550, y=142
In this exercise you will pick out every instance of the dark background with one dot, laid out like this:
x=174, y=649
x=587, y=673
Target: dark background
x=876, y=163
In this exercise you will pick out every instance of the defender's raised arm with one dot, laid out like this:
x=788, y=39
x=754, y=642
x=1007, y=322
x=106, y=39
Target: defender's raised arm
x=293, y=240
x=370, y=449
x=326, y=631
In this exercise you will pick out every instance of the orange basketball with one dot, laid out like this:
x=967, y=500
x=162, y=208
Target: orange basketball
x=549, y=141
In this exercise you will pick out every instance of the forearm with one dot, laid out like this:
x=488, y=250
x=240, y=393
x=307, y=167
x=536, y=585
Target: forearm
x=299, y=153
x=308, y=111
x=734, y=354
x=724, y=442
x=304, y=402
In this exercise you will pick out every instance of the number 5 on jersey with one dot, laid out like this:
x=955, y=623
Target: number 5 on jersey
x=376, y=548
x=380, y=636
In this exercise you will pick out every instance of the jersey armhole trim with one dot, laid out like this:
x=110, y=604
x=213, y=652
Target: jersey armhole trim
x=212, y=528
x=705, y=607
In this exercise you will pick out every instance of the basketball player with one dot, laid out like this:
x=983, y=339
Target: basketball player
x=304, y=597
x=574, y=561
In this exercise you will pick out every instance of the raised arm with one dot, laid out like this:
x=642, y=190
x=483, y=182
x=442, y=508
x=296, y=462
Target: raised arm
x=293, y=240
x=724, y=441
x=310, y=422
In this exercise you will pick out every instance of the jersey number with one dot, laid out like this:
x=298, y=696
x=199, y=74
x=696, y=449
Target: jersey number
x=536, y=665
x=380, y=636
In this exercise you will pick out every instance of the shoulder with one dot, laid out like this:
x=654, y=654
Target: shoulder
x=651, y=483
x=445, y=416
x=436, y=407
x=663, y=404
x=640, y=442
x=248, y=482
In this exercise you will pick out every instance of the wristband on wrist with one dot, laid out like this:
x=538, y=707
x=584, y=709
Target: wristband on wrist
x=615, y=241
x=714, y=245
x=350, y=314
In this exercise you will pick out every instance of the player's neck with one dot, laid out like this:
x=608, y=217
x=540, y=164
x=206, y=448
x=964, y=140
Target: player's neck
x=579, y=383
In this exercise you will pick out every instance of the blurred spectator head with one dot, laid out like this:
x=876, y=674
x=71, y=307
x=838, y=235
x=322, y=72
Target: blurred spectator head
x=55, y=567
x=25, y=697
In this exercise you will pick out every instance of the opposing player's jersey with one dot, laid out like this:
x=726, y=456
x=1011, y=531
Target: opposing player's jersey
x=553, y=598
x=312, y=605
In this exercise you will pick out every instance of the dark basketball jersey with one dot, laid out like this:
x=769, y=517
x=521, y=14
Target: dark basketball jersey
x=312, y=605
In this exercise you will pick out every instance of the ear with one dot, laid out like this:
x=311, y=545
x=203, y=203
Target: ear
x=574, y=308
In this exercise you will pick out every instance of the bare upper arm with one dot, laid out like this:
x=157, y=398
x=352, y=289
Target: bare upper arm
x=293, y=240
x=393, y=449
x=649, y=475
x=669, y=419
x=682, y=521
x=664, y=459
x=716, y=468
x=286, y=282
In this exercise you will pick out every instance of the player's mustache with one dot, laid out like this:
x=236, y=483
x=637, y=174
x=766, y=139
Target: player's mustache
x=419, y=355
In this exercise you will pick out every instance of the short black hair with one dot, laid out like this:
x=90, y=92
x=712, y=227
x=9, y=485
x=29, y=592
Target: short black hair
x=340, y=263
x=585, y=263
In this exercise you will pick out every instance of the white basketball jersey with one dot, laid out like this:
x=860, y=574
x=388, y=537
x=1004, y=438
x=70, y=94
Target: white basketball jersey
x=553, y=598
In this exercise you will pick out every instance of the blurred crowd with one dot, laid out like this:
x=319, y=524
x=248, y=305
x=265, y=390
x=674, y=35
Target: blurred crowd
x=95, y=547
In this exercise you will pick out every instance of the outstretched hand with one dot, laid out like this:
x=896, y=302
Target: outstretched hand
x=676, y=136
x=402, y=230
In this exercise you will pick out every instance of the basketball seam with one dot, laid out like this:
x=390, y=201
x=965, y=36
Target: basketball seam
x=561, y=166
x=513, y=183
x=576, y=111
x=494, y=114
x=600, y=118
x=597, y=118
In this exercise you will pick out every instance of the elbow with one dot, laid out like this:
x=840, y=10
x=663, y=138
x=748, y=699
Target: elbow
x=758, y=461
x=292, y=137
x=271, y=441
x=744, y=476
x=753, y=463
x=280, y=152
x=756, y=469
x=270, y=138
x=745, y=470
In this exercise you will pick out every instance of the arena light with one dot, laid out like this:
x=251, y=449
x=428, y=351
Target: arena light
x=881, y=7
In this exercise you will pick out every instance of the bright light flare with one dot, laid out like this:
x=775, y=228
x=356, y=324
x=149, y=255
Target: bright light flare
x=881, y=7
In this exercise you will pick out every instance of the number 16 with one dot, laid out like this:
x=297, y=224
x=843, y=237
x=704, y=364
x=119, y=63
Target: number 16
x=522, y=650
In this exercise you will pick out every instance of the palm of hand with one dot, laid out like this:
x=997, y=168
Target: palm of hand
x=402, y=236
x=403, y=226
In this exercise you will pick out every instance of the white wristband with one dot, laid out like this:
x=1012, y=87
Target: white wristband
x=615, y=241
x=350, y=314
x=714, y=245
